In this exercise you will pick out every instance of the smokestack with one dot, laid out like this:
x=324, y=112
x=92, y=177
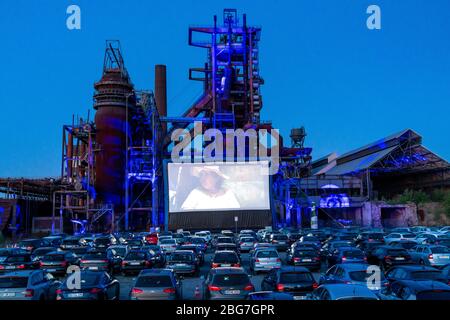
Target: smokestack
x=161, y=92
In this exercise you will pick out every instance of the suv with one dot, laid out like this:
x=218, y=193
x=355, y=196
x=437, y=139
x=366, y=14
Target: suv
x=183, y=262
x=227, y=284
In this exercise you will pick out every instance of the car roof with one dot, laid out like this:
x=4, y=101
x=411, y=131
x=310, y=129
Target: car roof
x=225, y=251
x=228, y=270
x=352, y=266
x=424, y=285
x=156, y=272
x=183, y=251
x=348, y=290
x=416, y=268
x=24, y=273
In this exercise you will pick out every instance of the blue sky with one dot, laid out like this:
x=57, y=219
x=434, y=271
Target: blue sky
x=322, y=68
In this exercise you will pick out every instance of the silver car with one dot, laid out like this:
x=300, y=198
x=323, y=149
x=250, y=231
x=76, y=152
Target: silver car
x=156, y=284
x=246, y=243
x=264, y=259
x=343, y=292
x=28, y=285
x=436, y=256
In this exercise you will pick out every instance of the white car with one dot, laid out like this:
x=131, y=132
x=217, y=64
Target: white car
x=168, y=245
x=397, y=236
x=204, y=234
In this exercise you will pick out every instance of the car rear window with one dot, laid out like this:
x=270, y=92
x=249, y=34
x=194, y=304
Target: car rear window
x=362, y=275
x=226, y=257
x=95, y=257
x=181, y=257
x=440, y=250
x=247, y=240
x=280, y=237
x=102, y=241
x=225, y=240
x=135, y=242
x=118, y=251
x=135, y=256
x=18, y=259
x=13, y=282
x=426, y=275
x=168, y=241
x=396, y=252
x=230, y=279
x=295, y=277
x=353, y=254
x=303, y=253
x=312, y=239
x=87, y=279
x=53, y=257
x=154, y=282
x=71, y=242
x=198, y=240
x=409, y=235
x=267, y=254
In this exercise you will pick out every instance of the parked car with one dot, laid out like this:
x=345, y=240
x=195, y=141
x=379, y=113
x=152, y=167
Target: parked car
x=168, y=245
x=246, y=243
x=6, y=252
x=297, y=281
x=28, y=285
x=151, y=238
x=96, y=261
x=225, y=258
x=405, y=244
x=38, y=253
x=305, y=257
x=346, y=255
x=415, y=272
x=264, y=259
x=200, y=254
x=343, y=292
x=397, y=236
x=18, y=262
x=31, y=244
x=436, y=256
x=199, y=242
x=279, y=241
x=156, y=284
x=157, y=256
x=94, y=285
x=227, y=284
x=135, y=261
x=57, y=262
x=135, y=243
x=354, y=273
x=388, y=256
x=183, y=262
x=416, y=290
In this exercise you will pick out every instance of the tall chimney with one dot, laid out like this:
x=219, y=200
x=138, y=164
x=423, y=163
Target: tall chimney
x=161, y=93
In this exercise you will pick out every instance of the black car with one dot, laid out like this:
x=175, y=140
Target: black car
x=183, y=262
x=71, y=243
x=389, y=256
x=6, y=252
x=199, y=252
x=346, y=255
x=415, y=272
x=135, y=261
x=368, y=246
x=93, y=286
x=18, y=262
x=40, y=252
x=31, y=244
x=135, y=243
x=304, y=257
x=102, y=243
x=297, y=281
x=225, y=258
x=57, y=262
x=97, y=261
x=228, y=246
x=157, y=256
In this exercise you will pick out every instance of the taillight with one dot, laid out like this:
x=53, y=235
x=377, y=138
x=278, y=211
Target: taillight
x=58, y=291
x=95, y=290
x=124, y=263
x=215, y=265
x=317, y=258
x=344, y=258
x=41, y=264
x=278, y=260
x=365, y=258
x=237, y=265
x=250, y=287
x=169, y=290
x=136, y=291
x=213, y=288
x=430, y=256
x=29, y=293
x=280, y=287
x=388, y=258
x=22, y=266
x=2, y=267
x=148, y=264
x=64, y=264
x=315, y=285
x=296, y=259
x=257, y=260
x=83, y=261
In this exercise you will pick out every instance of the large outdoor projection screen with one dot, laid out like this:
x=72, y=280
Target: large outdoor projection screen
x=225, y=186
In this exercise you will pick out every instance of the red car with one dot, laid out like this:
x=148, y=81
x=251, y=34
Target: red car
x=151, y=238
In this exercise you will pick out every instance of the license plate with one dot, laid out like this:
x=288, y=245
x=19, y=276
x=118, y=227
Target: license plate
x=180, y=265
x=226, y=265
x=10, y=267
x=299, y=297
x=75, y=295
x=306, y=260
x=51, y=270
x=232, y=291
x=444, y=257
x=8, y=294
x=93, y=268
x=135, y=263
x=399, y=258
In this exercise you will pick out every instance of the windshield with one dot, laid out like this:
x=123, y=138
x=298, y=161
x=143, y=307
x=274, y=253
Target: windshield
x=226, y=257
x=353, y=254
x=154, y=282
x=13, y=282
x=38, y=252
x=440, y=250
x=396, y=252
x=53, y=257
x=18, y=259
x=135, y=256
x=363, y=275
x=279, y=237
x=267, y=254
x=95, y=257
x=295, y=277
x=87, y=279
x=307, y=253
x=225, y=240
x=231, y=279
x=198, y=240
x=102, y=241
x=181, y=257
x=118, y=251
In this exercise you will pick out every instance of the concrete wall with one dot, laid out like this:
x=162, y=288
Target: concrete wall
x=405, y=215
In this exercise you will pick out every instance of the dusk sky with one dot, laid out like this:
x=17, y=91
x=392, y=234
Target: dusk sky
x=323, y=68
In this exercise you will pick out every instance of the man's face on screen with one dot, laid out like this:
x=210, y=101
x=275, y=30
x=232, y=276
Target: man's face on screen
x=210, y=181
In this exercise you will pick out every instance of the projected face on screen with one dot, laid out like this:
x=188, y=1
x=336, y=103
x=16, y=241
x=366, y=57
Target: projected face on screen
x=218, y=187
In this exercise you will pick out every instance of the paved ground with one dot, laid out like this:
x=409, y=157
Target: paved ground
x=190, y=283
